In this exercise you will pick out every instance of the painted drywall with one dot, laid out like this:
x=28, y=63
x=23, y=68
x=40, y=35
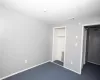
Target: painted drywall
x=50, y=41
x=21, y=38
x=74, y=55
x=73, y=47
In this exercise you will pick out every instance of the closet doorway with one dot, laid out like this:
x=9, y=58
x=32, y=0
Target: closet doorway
x=91, y=47
x=59, y=41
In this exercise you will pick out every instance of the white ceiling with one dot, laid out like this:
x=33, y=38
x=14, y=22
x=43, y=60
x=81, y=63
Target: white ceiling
x=57, y=11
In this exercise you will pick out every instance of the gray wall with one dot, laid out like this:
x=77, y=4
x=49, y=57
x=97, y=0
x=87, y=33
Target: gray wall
x=21, y=38
x=74, y=54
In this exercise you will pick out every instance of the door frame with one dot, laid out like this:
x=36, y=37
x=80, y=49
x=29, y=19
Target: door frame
x=89, y=27
x=53, y=42
x=83, y=27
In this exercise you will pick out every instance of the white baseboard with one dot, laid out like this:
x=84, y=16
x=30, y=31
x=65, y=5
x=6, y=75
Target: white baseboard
x=67, y=68
x=79, y=73
x=24, y=70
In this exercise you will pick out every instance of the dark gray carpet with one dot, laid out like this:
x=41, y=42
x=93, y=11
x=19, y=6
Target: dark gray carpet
x=58, y=62
x=51, y=71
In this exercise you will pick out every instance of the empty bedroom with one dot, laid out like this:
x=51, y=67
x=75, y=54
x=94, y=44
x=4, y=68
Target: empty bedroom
x=49, y=40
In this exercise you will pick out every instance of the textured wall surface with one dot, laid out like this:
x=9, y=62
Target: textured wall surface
x=21, y=38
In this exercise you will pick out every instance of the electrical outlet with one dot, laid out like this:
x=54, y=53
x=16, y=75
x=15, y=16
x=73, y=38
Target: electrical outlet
x=25, y=61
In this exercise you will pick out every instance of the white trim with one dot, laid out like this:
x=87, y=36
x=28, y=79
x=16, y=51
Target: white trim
x=84, y=54
x=53, y=42
x=67, y=68
x=73, y=70
x=82, y=40
x=81, y=57
x=91, y=24
x=60, y=27
x=65, y=45
x=24, y=70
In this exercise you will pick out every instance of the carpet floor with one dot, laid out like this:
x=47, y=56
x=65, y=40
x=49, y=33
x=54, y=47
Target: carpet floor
x=51, y=71
x=58, y=62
